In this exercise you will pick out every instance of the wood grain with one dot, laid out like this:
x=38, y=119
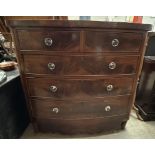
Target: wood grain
x=82, y=126
x=80, y=64
x=73, y=109
x=34, y=39
x=79, y=88
x=81, y=52
x=99, y=41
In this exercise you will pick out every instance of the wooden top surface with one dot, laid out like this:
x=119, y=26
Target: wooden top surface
x=79, y=24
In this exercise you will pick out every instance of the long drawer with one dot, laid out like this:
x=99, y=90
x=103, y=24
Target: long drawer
x=80, y=64
x=90, y=125
x=48, y=39
x=99, y=107
x=79, y=88
x=100, y=41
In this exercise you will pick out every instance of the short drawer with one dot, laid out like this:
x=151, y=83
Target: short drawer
x=80, y=64
x=79, y=88
x=47, y=39
x=107, y=106
x=99, y=41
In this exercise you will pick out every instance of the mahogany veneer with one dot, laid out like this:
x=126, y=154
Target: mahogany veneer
x=79, y=76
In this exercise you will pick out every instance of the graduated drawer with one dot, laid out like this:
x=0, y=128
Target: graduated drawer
x=99, y=41
x=79, y=88
x=80, y=64
x=82, y=126
x=47, y=39
x=107, y=106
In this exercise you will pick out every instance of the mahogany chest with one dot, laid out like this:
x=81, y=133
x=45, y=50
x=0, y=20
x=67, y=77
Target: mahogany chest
x=79, y=76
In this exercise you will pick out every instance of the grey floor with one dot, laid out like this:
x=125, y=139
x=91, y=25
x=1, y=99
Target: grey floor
x=135, y=129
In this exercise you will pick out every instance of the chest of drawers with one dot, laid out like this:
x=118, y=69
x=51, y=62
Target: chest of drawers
x=79, y=76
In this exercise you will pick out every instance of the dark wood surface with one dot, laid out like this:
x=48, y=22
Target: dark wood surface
x=61, y=40
x=80, y=64
x=73, y=109
x=81, y=52
x=79, y=88
x=99, y=41
x=79, y=24
x=82, y=126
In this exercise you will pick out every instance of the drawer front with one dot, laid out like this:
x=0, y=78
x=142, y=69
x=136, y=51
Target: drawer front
x=99, y=41
x=80, y=65
x=107, y=106
x=49, y=40
x=79, y=88
x=81, y=126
